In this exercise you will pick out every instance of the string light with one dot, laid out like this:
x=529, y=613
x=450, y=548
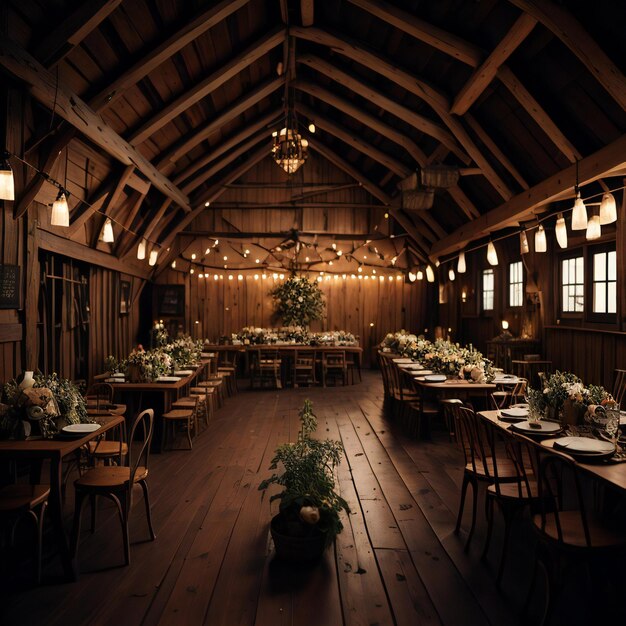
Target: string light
x=540, y=240
x=561, y=231
x=7, y=182
x=60, y=215
x=451, y=274
x=430, y=274
x=594, y=230
x=524, y=248
x=106, y=234
x=608, y=209
x=174, y=264
x=154, y=255
x=461, y=267
x=492, y=255
x=579, y=214
x=141, y=251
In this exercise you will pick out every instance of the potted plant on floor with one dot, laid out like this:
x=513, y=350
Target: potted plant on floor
x=308, y=518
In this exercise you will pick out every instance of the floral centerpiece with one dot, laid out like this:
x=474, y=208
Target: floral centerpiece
x=183, y=351
x=298, y=301
x=51, y=403
x=146, y=365
x=398, y=341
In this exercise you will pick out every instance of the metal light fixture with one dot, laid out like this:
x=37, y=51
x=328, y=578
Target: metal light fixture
x=523, y=243
x=7, y=182
x=106, y=234
x=541, y=245
x=608, y=209
x=141, y=250
x=492, y=255
x=561, y=231
x=461, y=266
x=60, y=214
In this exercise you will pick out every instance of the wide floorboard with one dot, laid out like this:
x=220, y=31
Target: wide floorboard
x=397, y=561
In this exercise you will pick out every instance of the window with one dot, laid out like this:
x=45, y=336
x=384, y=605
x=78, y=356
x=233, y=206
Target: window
x=572, y=285
x=516, y=284
x=604, y=292
x=488, y=290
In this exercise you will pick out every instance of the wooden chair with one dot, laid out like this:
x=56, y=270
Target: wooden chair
x=503, y=399
x=447, y=408
x=303, y=368
x=19, y=500
x=188, y=417
x=353, y=362
x=99, y=395
x=227, y=364
x=479, y=465
x=414, y=406
x=334, y=366
x=116, y=483
x=567, y=535
x=108, y=450
x=619, y=386
x=265, y=367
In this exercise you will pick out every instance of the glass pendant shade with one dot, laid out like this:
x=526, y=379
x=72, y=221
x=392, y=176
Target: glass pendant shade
x=430, y=275
x=141, y=250
x=579, y=214
x=60, y=215
x=420, y=275
x=451, y=274
x=461, y=266
x=594, y=231
x=492, y=255
x=523, y=243
x=107, y=232
x=608, y=209
x=561, y=232
x=7, y=183
x=412, y=277
x=541, y=244
x=154, y=255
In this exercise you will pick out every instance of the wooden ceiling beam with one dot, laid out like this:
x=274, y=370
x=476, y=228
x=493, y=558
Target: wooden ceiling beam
x=84, y=210
x=166, y=161
x=307, y=12
x=364, y=118
x=226, y=160
x=393, y=165
x=60, y=41
x=464, y=203
x=419, y=122
x=208, y=85
x=558, y=186
x=535, y=110
x=158, y=55
x=438, y=38
x=125, y=239
x=53, y=94
x=438, y=101
x=572, y=34
x=484, y=74
x=231, y=142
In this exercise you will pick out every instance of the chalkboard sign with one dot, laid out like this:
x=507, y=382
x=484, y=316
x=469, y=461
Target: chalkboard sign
x=9, y=287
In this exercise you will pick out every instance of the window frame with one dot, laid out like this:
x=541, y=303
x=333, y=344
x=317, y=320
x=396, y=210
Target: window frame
x=573, y=254
x=492, y=291
x=510, y=284
x=590, y=315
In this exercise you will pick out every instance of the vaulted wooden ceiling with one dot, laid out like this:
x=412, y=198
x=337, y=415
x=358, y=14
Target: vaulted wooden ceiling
x=512, y=93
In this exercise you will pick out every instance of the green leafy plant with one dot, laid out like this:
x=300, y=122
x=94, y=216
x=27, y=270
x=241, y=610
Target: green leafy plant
x=298, y=301
x=308, y=477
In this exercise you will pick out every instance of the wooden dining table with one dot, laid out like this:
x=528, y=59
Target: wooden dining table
x=36, y=450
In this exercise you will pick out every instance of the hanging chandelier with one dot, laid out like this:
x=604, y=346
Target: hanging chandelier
x=289, y=150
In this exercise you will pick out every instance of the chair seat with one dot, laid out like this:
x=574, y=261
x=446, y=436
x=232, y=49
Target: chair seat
x=511, y=490
x=208, y=384
x=506, y=470
x=574, y=535
x=178, y=414
x=106, y=448
x=22, y=497
x=107, y=477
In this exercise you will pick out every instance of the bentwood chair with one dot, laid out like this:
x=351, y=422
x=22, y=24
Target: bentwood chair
x=116, y=484
x=227, y=365
x=479, y=464
x=334, y=366
x=567, y=536
x=19, y=500
x=265, y=367
x=503, y=399
x=186, y=417
x=99, y=395
x=619, y=386
x=303, y=368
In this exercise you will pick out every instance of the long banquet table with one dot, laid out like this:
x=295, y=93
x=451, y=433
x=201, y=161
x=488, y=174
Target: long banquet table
x=36, y=450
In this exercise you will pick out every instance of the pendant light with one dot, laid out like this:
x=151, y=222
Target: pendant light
x=540, y=240
x=561, y=231
x=106, y=234
x=412, y=277
x=154, y=255
x=7, y=183
x=141, y=250
x=594, y=231
x=420, y=275
x=451, y=274
x=430, y=275
x=461, y=266
x=60, y=214
x=608, y=209
x=579, y=212
x=523, y=243
x=492, y=255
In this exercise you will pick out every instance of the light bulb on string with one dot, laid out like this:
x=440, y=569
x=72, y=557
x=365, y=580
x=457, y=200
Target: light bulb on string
x=560, y=231
x=7, y=182
x=106, y=234
x=152, y=259
x=451, y=274
x=594, y=230
x=541, y=244
x=579, y=214
x=420, y=275
x=141, y=250
x=461, y=266
x=523, y=243
x=60, y=214
x=608, y=209
x=430, y=274
x=492, y=255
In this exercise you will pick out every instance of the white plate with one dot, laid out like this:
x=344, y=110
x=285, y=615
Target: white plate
x=115, y=380
x=403, y=360
x=505, y=380
x=515, y=412
x=545, y=428
x=585, y=445
x=183, y=372
x=422, y=372
x=168, y=379
x=414, y=366
x=435, y=378
x=519, y=405
x=80, y=429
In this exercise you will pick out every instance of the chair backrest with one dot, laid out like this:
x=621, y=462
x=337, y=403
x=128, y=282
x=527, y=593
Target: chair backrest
x=472, y=439
x=334, y=358
x=619, y=385
x=266, y=355
x=227, y=358
x=304, y=357
x=143, y=423
x=554, y=468
x=102, y=393
x=519, y=391
x=382, y=365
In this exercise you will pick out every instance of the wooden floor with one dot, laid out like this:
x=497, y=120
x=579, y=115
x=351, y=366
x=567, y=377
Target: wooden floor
x=398, y=560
